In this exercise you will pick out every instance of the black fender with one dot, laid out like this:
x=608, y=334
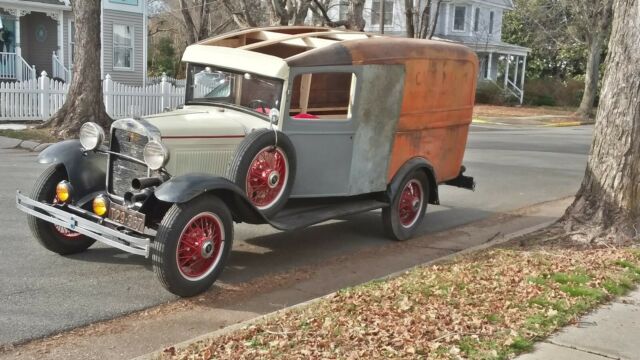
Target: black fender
x=413, y=164
x=183, y=188
x=86, y=169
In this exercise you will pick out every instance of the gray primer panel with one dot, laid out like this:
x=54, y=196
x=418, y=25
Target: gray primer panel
x=377, y=112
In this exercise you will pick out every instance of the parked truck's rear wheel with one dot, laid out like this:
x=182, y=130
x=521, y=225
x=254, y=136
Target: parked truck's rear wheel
x=54, y=237
x=192, y=245
x=404, y=216
x=264, y=169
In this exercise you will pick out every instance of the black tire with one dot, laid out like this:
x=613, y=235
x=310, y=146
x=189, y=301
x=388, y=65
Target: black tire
x=45, y=232
x=165, y=247
x=248, y=149
x=391, y=219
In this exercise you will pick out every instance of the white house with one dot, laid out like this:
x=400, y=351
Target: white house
x=474, y=23
x=38, y=35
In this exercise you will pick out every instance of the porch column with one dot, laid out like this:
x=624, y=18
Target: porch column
x=489, y=63
x=506, y=71
x=515, y=75
x=524, y=68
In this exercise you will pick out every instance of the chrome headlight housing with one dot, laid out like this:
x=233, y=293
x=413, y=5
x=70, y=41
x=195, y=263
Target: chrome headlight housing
x=91, y=135
x=155, y=155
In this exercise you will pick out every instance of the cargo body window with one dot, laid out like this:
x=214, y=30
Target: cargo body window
x=325, y=96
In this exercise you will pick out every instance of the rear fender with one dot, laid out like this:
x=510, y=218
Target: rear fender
x=85, y=169
x=183, y=188
x=416, y=163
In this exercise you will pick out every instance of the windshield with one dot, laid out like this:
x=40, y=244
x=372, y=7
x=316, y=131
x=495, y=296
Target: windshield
x=208, y=84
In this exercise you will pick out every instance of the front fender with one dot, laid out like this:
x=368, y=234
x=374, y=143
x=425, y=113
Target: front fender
x=183, y=188
x=86, y=169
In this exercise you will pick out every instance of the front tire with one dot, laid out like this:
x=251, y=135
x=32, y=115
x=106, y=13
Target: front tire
x=406, y=212
x=54, y=238
x=192, y=245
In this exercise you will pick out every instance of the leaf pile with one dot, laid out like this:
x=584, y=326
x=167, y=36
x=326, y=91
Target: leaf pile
x=491, y=305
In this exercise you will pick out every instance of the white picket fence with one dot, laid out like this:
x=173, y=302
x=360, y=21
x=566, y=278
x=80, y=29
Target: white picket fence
x=38, y=99
x=151, y=80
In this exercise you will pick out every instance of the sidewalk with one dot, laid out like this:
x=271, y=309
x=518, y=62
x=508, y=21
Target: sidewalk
x=611, y=332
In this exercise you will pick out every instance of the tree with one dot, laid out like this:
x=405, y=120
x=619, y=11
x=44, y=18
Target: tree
x=84, y=100
x=589, y=21
x=607, y=206
x=425, y=27
x=355, y=18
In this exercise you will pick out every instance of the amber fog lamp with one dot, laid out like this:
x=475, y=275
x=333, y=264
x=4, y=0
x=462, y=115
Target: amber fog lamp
x=100, y=205
x=63, y=191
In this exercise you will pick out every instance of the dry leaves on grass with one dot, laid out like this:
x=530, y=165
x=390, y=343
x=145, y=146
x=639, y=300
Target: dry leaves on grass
x=491, y=305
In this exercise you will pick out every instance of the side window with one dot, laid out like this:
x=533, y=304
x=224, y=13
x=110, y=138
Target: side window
x=326, y=95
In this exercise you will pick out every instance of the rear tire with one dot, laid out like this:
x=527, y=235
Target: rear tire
x=54, y=238
x=192, y=245
x=406, y=212
x=265, y=172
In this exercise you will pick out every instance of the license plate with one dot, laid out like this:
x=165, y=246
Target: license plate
x=129, y=218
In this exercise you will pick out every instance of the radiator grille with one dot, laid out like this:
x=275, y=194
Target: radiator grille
x=121, y=169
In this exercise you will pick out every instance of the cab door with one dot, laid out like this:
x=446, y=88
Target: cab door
x=318, y=118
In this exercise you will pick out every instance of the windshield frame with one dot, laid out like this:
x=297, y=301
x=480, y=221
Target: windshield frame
x=189, y=100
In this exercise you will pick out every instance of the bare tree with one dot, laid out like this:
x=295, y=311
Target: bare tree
x=607, y=206
x=425, y=27
x=355, y=15
x=590, y=21
x=84, y=100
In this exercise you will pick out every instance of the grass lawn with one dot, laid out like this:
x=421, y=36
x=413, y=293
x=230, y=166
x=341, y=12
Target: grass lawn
x=521, y=111
x=490, y=305
x=40, y=135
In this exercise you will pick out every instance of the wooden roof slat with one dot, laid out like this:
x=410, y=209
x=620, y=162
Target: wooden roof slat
x=297, y=39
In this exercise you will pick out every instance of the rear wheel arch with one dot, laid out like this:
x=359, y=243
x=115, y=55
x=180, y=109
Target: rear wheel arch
x=411, y=165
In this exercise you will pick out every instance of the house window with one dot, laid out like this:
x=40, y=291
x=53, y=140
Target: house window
x=459, y=17
x=476, y=20
x=491, y=15
x=324, y=96
x=122, y=47
x=388, y=12
x=72, y=42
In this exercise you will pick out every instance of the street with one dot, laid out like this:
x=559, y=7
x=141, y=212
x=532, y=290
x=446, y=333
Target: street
x=42, y=293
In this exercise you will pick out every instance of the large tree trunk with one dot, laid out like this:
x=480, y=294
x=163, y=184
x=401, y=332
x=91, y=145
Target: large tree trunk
x=592, y=76
x=607, y=206
x=85, y=99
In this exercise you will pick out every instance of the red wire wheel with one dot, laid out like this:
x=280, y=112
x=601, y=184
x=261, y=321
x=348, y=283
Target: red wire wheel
x=410, y=203
x=267, y=177
x=200, y=246
x=63, y=231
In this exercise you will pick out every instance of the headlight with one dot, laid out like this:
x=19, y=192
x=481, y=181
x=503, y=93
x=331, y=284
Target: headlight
x=155, y=155
x=63, y=191
x=91, y=135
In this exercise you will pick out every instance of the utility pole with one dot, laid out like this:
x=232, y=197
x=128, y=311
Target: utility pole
x=382, y=16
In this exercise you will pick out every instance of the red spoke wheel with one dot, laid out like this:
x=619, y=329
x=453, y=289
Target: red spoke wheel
x=200, y=245
x=404, y=215
x=267, y=177
x=264, y=167
x=54, y=237
x=192, y=245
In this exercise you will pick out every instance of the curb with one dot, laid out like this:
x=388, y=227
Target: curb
x=570, y=123
x=28, y=145
x=158, y=354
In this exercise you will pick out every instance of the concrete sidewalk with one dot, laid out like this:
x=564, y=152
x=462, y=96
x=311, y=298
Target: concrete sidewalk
x=611, y=332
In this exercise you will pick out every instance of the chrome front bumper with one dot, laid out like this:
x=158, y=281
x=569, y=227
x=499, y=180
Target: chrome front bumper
x=134, y=244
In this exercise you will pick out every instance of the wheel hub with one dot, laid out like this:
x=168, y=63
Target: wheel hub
x=206, y=249
x=274, y=178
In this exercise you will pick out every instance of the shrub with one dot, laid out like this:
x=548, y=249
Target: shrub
x=553, y=92
x=488, y=92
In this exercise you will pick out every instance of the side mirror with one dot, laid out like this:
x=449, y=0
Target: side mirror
x=274, y=116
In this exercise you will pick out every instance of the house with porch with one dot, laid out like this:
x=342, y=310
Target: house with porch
x=474, y=23
x=38, y=35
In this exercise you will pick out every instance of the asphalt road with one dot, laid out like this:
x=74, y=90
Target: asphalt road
x=42, y=293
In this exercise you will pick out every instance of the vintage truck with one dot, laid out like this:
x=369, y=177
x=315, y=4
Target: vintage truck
x=289, y=126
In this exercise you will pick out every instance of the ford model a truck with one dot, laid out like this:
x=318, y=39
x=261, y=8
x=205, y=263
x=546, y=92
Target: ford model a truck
x=288, y=126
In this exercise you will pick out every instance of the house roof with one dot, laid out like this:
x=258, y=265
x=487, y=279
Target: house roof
x=50, y=2
x=491, y=46
x=320, y=46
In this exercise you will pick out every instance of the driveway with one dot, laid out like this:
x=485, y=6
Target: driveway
x=42, y=293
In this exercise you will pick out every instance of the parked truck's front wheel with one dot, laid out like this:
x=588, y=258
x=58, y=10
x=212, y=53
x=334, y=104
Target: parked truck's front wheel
x=192, y=245
x=264, y=168
x=54, y=237
x=406, y=212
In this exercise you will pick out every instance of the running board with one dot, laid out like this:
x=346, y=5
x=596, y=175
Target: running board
x=300, y=213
